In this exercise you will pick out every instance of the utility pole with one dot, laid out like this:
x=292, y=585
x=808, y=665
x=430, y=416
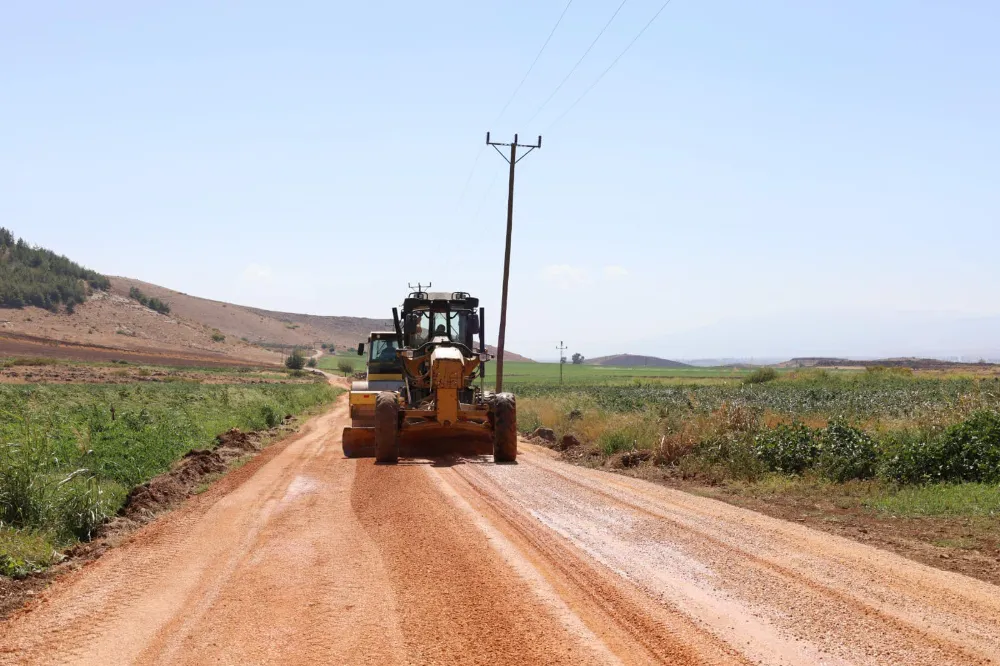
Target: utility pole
x=512, y=160
x=562, y=359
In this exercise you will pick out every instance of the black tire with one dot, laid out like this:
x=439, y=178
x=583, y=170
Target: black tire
x=504, y=428
x=386, y=428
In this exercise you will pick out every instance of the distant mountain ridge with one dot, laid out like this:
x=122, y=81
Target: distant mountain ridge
x=635, y=361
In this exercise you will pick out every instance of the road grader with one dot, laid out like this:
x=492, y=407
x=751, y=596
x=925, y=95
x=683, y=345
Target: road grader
x=436, y=409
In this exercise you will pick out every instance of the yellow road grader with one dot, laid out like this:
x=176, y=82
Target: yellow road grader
x=432, y=406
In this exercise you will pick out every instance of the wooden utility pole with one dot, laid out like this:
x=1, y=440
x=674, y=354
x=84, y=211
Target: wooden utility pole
x=512, y=160
x=562, y=359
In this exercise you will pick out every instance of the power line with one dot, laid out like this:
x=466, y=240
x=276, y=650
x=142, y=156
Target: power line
x=573, y=69
x=524, y=78
x=486, y=194
x=472, y=171
x=613, y=63
x=533, y=62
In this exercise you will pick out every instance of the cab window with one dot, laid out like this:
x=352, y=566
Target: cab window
x=383, y=351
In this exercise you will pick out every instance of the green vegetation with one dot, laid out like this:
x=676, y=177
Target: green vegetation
x=528, y=372
x=919, y=439
x=311, y=362
x=69, y=453
x=39, y=277
x=762, y=375
x=961, y=499
x=152, y=303
x=217, y=336
x=296, y=360
x=338, y=362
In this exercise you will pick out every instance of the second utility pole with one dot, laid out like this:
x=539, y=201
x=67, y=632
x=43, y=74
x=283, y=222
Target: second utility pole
x=562, y=359
x=514, y=159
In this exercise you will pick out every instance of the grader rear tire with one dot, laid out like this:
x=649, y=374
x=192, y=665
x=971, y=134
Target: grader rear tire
x=386, y=428
x=504, y=428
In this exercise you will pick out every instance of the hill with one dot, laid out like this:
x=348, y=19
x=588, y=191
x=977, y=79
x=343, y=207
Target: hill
x=268, y=328
x=39, y=277
x=52, y=306
x=635, y=361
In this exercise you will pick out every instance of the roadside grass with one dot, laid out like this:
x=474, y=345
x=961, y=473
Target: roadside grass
x=961, y=499
x=24, y=552
x=69, y=453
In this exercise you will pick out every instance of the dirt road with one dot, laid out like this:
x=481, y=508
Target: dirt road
x=304, y=557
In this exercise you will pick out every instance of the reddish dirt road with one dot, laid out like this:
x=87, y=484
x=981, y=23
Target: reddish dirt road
x=304, y=557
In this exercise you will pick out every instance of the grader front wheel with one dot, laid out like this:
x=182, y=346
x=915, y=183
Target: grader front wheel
x=504, y=428
x=386, y=428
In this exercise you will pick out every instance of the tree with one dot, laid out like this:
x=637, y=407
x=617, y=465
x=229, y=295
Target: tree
x=345, y=367
x=296, y=360
x=311, y=363
x=577, y=359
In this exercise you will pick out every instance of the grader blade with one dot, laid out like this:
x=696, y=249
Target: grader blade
x=359, y=442
x=432, y=441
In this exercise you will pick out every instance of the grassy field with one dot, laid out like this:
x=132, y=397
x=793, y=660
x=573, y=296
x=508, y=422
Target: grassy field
x=332, y=362
x=923, y=442
x=69, y=453
x=524, y=372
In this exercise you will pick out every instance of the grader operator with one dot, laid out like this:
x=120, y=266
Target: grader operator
x=438, y=409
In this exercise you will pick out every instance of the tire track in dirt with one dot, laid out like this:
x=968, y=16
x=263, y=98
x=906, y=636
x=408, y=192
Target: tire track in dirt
x=823, y=600
x=635, y=628
x=459, y=601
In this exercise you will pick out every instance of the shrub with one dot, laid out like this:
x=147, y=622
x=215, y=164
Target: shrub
x=761, y=376
x=152, y=303
x=218, y=337
x=726, y=455
x=296, y=360
x=311, y=363
x=846, y=453
x=270, y=415
x=966, y=451
x=787, y=448
x=613, y=441
x=345, y=367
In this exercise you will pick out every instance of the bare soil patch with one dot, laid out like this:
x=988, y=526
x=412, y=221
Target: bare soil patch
x=16, y=344
x=28, y=372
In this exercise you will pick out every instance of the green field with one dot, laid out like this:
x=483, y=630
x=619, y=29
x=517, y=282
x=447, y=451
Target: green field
x=519, y=372
x=70, y=453
x=894, y=429
x=331, y=363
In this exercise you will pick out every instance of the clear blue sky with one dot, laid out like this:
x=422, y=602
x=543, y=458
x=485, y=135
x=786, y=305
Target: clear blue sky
x=775, y=162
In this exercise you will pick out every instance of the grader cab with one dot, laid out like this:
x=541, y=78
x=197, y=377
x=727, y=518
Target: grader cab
x=438, y=410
